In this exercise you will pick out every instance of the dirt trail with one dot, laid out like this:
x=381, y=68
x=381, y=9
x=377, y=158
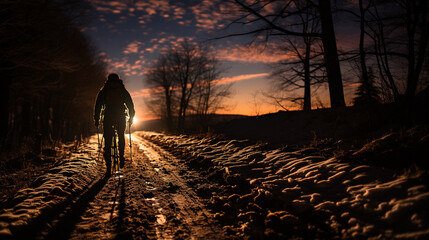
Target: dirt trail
x=152, y=200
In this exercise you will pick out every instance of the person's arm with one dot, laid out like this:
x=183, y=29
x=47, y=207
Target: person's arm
x=130, y=105
x=98, y=104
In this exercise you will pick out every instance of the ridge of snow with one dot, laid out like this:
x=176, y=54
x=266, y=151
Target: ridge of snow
x=359, y=201
x=62, y=182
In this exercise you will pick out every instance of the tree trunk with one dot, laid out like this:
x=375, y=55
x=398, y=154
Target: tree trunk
x=4, y=104
x=415, y=63
x=181, y=122
x=364, y=71
x=411, y=83
x=307, y=79
x=168, y=106
x=335, y=83
x=26, y=119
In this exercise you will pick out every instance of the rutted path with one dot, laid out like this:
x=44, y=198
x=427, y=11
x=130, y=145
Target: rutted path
x=151, y=201
x=255, y=192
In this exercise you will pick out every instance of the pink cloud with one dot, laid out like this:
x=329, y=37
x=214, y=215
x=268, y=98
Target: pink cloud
x=126, y=67
x=132, y=47
x=119, y=64
x=152, y=49
x=162, y=40
x=179, y=13
x=141, y=93
x=109, y=6
x=146, y=92
x=352, y=85
x=150, y=11
x=252, y=54
x=209, y=14
x=85, y=29
x=187, y=22
x=165, y=42
x=226, y=80
x=144, y=9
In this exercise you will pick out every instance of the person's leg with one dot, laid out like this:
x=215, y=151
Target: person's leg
x=121, y=126
x=108, y=134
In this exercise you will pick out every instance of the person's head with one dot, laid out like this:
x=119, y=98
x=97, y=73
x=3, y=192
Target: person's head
x=113, y=77
x=113, y=81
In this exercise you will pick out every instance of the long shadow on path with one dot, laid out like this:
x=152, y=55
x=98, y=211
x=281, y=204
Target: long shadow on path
x=120, y=224
x=64, y=224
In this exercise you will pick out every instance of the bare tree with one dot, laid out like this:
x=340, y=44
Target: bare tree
x=210, y=93
x=417, y=29
x=307, y=67
x=400, y=38
x=188, y=73
x=256, y=102
x=188, y=66
x=158, y=78
x=379, y=30
x=282, y=21
x=367, y=92
x=362, y=52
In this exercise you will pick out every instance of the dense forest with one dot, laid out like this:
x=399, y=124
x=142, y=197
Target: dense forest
x=50, y=72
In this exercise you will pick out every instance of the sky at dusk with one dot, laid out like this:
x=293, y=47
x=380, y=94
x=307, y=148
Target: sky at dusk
x=131, y=34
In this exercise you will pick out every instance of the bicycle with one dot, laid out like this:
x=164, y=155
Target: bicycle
x=114, y=152
x=100, y=143
x=115, y=159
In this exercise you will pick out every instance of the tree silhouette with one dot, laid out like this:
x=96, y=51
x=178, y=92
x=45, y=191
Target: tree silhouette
x=51, y=72
x=400, y=38
x=279, y=18
x=367, y=93
x=159, y=79
x=183, y=80
x=306, y=69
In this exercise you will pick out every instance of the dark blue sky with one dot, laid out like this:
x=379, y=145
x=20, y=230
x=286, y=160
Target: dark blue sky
x=131, y=34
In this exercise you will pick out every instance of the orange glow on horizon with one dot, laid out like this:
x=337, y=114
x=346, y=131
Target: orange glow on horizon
x=135, y=119
x=243, y=102
x=146, y=92
x=226, y=80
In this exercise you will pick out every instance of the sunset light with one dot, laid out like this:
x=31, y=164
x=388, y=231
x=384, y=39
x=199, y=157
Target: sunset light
x=164, y=24
x=214, y=119
x=135, y=120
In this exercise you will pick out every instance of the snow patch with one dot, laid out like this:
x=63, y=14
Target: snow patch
x=284, y=187
x=64, y=181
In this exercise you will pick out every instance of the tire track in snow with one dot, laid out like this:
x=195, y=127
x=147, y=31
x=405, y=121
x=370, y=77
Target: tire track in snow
x=61, y=227
x=151, y=201
x=190, y=210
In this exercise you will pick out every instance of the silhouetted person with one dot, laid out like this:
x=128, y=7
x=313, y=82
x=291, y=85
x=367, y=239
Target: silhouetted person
x=115, y=99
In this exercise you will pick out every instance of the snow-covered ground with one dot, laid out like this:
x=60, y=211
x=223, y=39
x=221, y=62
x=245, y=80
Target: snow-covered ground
x=64, y=182
x=275, y=193
x=253, y=190
x=152, y=198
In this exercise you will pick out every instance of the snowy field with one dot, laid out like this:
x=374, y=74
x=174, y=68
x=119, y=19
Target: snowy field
x=275, y=193
x=48, y=193
x=253, y=191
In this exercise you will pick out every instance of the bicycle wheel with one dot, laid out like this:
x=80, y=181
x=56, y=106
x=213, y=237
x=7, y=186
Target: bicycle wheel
x=115, y=151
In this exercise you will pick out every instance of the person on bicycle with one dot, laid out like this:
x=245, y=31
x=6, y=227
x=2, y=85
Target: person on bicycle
x=114, y=98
